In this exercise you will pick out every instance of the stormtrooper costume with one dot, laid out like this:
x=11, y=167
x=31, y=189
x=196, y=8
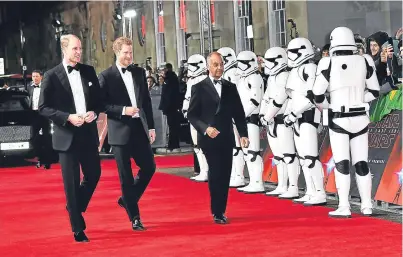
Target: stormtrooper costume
x=250, y=88
x=238, y=161
x=305, y=118
x=197, y=68
x=352, y=83
x=275, y=99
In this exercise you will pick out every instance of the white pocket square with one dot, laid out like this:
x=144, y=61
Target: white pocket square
x=89, y=83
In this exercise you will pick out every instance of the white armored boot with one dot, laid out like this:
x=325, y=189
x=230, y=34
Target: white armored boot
x=293, y=173
x=238, y=163
x=203, y=176
x=343, y=190
x=309, y=186
x=364, y=184
x=319, y=193
x=282, y=177
x=255, y=168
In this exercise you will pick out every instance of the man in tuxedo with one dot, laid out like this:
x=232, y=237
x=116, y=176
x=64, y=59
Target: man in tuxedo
x=170, y=106
x=41, y=125
x=70, y=97
x=214, y=104
x=130, y=126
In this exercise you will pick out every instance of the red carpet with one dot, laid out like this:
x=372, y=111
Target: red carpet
x=34, y=222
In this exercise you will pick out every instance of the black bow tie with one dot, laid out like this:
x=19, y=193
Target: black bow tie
x=71, y=68
x=35, y=86
x=129, y=68
x=217, y=81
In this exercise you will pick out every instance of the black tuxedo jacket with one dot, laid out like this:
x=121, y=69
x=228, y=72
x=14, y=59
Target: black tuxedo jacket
x=56, y=102
x=115, y=97
x=207, y=109
x=30, y=90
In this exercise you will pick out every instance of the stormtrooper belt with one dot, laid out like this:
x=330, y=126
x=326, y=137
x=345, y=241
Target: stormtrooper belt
x=335, y=115
x=254, y=119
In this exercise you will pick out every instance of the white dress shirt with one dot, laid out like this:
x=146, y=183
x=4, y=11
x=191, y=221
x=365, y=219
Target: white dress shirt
x=35, y=97
x=217, y=86
x=77, y=89
x=128, y=80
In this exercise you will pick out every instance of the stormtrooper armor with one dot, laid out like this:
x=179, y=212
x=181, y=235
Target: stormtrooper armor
x=238, y=161
x=250, y=88
x=351, y=82
x=303, y=115
x=197, y=68
x=280, y=137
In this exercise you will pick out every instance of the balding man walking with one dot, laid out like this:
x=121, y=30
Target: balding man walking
x=70, y=97
x=214, y=104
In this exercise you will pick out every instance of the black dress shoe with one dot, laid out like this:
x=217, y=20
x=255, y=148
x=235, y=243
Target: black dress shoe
x=38, y=165
x=80, y=237
x=137, y=225
x=46, y=166
x=220, y=219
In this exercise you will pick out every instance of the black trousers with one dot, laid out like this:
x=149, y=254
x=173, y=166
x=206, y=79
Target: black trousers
x=42, y=142
x=78, y=195
x=174, y=129
x=219, y=160
x=139, y=149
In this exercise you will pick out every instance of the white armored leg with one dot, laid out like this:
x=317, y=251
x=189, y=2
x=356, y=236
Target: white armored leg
x=238, y=163
x=282, y=176
x=340, y=144
x=286, y=136
x=359, y=154
x=254, y=162
x=202, y=177
x=319, y=193
x=308, y=150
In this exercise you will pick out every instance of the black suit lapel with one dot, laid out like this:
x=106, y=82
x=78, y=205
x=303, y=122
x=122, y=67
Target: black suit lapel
x=64, y=80
x=120, y=82
x=211, y=89
x=136, y=83
x=84, y=82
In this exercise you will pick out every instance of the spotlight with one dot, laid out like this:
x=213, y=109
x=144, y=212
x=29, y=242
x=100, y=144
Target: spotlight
x=56, y=23
x=129, y=14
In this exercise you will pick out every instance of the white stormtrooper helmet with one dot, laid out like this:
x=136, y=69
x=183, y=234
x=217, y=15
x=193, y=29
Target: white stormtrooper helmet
x=299, y=50
x=196, y=65
x=342, y=39
x=275, y=59
x=229, y=56
x=247, y=63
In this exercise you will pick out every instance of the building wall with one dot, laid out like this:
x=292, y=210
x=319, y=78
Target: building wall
x=93, y=21
x=363, y=17
x=260, y=26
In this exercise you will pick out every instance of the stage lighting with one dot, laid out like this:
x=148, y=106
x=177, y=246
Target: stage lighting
x=129, y=14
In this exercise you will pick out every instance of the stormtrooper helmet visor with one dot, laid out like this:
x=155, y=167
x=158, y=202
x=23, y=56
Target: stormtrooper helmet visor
x=225, y=57
x=244, y=64
x=193, y=67
x=271, y=62
x=294, y=54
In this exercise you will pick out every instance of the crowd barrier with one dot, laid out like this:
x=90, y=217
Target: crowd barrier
x=384, y=153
